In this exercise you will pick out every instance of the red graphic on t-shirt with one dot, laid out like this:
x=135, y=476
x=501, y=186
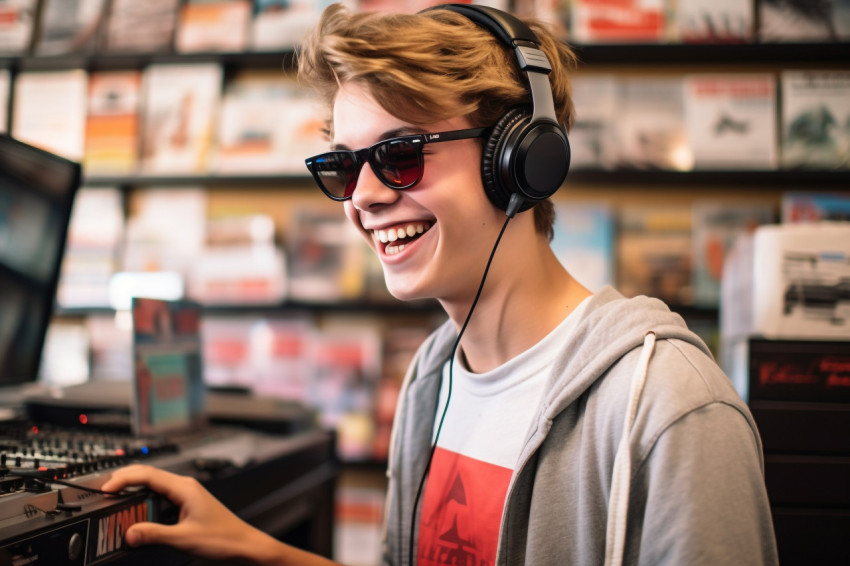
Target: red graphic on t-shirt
x=462, y=511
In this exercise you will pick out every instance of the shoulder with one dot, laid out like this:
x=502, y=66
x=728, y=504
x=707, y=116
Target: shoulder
x=684, y=384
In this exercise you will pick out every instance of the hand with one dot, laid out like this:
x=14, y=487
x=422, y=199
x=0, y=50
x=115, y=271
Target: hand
x=205, y=528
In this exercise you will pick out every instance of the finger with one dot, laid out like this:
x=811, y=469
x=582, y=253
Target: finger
x=165, y=483
x=142, y=534
x=134, y=474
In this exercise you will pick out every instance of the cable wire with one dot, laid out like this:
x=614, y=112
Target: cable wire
x=513, y=206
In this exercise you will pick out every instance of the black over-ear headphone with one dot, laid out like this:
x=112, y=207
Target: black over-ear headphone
x=528, y=152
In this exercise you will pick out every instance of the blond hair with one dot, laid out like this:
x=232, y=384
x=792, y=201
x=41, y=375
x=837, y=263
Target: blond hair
x=430, y=66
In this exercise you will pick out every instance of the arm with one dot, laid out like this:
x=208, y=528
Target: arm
x=704, y=495
x=206, y=528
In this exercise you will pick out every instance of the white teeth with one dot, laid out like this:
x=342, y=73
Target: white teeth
x=392, y=250
x=394, y=234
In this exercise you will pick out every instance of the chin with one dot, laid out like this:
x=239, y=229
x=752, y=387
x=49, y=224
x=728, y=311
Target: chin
x=404, y=292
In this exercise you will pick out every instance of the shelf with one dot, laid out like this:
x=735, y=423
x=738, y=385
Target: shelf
x=119, y=61
x=271, y=180
x=736, y=54
x=352, y=307
x=626, y=54
x=791, y=178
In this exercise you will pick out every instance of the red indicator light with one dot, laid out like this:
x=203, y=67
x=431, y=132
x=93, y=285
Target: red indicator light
x=119, y=451
x=35, y=429
x=83, y=418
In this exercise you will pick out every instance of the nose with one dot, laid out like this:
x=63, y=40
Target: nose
x=370, y=191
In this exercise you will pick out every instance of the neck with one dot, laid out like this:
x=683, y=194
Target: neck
x=525, y=297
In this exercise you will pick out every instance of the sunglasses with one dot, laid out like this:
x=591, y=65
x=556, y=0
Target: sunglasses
x=397, y=162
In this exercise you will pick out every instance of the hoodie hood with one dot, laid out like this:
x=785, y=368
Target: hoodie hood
x=612, y=325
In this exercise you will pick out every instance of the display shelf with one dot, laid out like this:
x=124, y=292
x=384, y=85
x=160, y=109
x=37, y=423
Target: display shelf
x=626, y=54
x=354, y=307
x=118, y=61
x=212, y=180
x=769, y=179
x=731, y=54
x=799, y=179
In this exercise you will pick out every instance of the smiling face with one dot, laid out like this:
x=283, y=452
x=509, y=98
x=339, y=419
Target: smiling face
x=433, y=239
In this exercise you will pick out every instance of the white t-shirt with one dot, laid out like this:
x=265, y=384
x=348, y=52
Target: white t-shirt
x=488, y=418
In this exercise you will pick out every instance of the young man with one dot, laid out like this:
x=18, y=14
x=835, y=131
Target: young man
x=562, y=427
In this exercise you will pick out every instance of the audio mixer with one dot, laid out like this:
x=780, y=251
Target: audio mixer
x=53, y=512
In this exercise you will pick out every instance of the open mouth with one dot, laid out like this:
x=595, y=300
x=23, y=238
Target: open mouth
x=395, y=239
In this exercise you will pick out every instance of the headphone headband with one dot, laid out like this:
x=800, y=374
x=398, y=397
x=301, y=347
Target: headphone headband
x=514, y=33
x=506, y=27
x=525, y=156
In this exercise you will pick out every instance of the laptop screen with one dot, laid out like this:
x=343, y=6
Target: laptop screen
x=168, y=386
x=37, y=192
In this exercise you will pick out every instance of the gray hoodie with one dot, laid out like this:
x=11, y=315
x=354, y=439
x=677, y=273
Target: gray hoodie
x=695, y=488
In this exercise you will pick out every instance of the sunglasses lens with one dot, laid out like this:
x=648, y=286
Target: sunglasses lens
x=398, y=162
x=336, y=173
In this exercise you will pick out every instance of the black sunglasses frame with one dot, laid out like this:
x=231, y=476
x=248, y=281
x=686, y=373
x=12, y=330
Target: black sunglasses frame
x=367, y=155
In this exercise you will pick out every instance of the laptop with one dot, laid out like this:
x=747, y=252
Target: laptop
x=37, y=191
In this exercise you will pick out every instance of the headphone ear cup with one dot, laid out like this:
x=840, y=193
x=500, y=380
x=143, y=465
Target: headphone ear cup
x=531, y=159
x=492, y=158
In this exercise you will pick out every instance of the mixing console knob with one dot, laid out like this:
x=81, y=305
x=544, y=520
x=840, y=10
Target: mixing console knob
x=75, y=547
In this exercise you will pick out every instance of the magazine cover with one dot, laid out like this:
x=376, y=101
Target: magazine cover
x=731, y=120
x=49, y=110
x=279, y=357
x=140, y=27
x=326, y=258
x=281, y=24
x=804, y=20
x=652, y=123
x=815, y=207
x=555, y=13
x=168, y=385
x=815, y=119
x=594, y=141
x=347, y=369
x=180, y=103
x=213, y=25
x=654, y=252
x=716, y=226
x=93, y=248
x=618, y=21
x=268, y=124
x=241, y=262
x=714, y=21
x=69, y=26
x=584, y=241
x=17, y=25
x=112, y=123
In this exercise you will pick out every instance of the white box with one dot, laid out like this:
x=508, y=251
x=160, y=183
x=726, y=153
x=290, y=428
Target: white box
x=792, y=281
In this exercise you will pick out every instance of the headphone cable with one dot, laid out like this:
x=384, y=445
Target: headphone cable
x=513, y=206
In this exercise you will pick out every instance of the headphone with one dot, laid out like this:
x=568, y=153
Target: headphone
x=527, y=153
